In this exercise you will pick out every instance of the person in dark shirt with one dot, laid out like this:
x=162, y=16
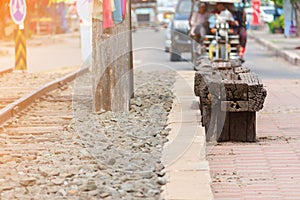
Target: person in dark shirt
x=240, y=16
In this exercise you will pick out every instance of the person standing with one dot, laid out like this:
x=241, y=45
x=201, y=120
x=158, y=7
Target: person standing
x=240, y=29
x=199, y=22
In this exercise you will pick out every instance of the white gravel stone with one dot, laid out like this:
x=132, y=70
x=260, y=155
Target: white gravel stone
x=28, y=182
x=101, y=155
x=129, y=143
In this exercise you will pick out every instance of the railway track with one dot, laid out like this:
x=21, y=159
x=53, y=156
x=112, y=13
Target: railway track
x=14, y=85
x=46, y=149
x=19, y=90
x=39, y=157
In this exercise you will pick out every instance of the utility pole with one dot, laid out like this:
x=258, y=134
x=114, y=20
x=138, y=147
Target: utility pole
x=112, y=63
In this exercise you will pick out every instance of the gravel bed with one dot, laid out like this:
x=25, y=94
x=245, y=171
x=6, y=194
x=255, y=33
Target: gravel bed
x=20, y=83
x=127, y=146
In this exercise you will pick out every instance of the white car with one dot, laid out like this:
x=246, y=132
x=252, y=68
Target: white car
x=266, y=14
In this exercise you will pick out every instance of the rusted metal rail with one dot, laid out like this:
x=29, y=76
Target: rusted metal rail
x=6, y=70
x=17, y=106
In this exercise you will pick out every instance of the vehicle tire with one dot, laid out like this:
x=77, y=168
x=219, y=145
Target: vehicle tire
x=175, y=56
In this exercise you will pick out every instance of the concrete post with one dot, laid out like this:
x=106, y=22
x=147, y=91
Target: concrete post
x=112, y=65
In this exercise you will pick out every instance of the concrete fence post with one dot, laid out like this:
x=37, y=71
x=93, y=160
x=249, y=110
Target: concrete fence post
x=112, y=65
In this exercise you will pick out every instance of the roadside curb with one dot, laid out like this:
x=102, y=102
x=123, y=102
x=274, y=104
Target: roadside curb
x=289, y=56
x=184, y=155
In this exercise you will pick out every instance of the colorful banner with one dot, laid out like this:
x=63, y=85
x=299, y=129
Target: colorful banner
x=117, y=14
x=123, y=2
x=108, y=21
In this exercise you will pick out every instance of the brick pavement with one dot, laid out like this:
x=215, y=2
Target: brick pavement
x=270, y=168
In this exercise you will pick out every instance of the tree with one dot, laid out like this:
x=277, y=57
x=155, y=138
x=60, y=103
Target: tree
x=278, y=3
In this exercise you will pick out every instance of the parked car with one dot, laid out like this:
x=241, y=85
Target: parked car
x=179, y=28
x=266, y=14
x=144, y=14
x=145, y=17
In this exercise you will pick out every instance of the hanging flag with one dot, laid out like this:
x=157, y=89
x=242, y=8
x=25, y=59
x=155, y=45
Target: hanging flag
x=107, y=14
x=123, y=2
x=117, y=14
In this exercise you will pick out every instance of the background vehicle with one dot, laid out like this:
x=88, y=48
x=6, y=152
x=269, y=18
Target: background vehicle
x=223, y=44
x=266, y=14
x=179, y=27
x=220, y=42
x=144, y=13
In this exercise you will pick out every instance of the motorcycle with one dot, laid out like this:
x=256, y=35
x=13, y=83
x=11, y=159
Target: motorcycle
x=223, y=43
x=220, y=43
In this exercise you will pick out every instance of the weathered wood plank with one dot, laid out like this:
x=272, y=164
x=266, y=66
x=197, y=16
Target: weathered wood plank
x=234, y=90
x=225, y=133
x=234, y=106
x=238, y=126
x=251, y=127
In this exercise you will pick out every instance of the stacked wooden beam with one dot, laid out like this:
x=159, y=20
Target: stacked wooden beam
x=230, y=95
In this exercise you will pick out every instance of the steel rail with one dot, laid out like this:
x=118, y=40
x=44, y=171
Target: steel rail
x=6, y=70
x=17, y=106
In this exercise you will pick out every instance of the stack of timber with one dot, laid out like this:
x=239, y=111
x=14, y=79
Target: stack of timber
x=230, y=95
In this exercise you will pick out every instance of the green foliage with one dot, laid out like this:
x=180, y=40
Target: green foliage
x=295, y=1
x=276, y=24
x=279, y=3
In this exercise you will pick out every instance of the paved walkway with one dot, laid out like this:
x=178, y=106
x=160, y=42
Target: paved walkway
x=270, y=168
x=288, y=48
